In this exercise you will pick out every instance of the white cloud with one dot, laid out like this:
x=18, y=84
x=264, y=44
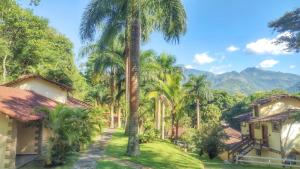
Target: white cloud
x=189, y=66
x=292, y=66
x=219, y=69
x=268, y=46
x=268, y=63
x=203, y=58
x=232, y=48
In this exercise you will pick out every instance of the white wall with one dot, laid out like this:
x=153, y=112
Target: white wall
x=44, y=88
x=290, y=136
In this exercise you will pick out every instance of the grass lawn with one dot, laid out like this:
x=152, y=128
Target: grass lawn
x=161, y=155
x=155, y=155
x=105, y=164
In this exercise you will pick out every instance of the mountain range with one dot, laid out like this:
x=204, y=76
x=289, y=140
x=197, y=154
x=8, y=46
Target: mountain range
x=250, y=80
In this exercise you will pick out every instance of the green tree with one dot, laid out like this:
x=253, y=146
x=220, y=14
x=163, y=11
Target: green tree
x=166, y=16
x=289, y=22
x=198, y=88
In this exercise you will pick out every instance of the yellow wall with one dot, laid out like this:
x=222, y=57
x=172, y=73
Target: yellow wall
x=3, y=137
x=278, y=106
x=44, y=88
x=27, y=139
x=257, y=132
x=223, y=155
x=244, y=128
x=274, y=137
x=290, y=136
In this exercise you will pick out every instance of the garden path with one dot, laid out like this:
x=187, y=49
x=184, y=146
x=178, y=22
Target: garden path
x=89, y=159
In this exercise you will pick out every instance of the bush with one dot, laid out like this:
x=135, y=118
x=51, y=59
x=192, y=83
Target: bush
x=209, y=140
x=188, y=138
x=149, y=135
x=71, y=128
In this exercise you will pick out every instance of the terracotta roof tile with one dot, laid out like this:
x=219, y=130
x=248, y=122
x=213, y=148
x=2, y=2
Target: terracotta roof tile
x=276, y=117
x=233, y=135
x=73, y=102
x=22, y=104
x=273, y=98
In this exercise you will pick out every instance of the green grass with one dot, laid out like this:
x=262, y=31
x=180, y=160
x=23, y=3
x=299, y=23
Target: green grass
x=155, y=155
x=105, y=164
x=218, y=164
x=162, y=155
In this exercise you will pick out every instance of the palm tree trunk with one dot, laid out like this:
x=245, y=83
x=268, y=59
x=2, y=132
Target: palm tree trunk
x=133, y=147
x=112, y=108
x=177, y=127
x=173, y=124
x=112, y=116
x=198, y=113
x=163, y=121
x=158, y=116
x=119, y=117
x=127, y=75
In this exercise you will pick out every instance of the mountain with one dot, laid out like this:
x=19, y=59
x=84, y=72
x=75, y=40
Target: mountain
x=250, y=80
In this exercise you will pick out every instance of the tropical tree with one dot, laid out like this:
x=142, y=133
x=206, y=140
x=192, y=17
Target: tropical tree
x=288, y=24
x=106, y=62
x=135, y=17
x=4, y=53
x=198, y=88
x=172, y=90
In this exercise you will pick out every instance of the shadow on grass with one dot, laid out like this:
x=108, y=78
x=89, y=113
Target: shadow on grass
x=105, y=164
x=156, y=155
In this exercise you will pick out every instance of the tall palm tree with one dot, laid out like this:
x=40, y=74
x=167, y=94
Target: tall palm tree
x=198, y=88
x=167, y=67
x=136, y=18
x=107, y=62
x=172, y=91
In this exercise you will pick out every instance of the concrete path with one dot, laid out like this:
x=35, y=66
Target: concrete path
x=88, y=160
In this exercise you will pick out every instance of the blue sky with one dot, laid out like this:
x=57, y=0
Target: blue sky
x=222, y=35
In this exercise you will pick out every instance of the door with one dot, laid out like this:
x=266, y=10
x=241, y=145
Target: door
x=251, y=130
x=265, y=136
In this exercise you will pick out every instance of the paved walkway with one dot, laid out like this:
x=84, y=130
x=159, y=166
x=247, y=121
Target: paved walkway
x=88, y=160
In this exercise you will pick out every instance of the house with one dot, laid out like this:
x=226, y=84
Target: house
x=270, y=130
x=22, y=135
x=233, y=137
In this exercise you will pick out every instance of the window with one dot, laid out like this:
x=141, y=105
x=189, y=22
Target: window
x=258, y=152
x=256, y=111
x=276, y=127
x=244, y=124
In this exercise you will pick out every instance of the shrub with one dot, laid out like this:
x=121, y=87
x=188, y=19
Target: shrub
x=188, y=138
x=149, y=135
x=70, y=128
x=209, y=140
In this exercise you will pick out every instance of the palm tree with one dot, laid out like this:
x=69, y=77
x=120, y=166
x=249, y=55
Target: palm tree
x=172, y=91
x=135, y=18
x=108, y=61
x=198, y=88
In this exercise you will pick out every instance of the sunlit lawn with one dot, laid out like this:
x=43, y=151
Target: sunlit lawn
x=154, y=155
x=105, y=164
x=161, y=155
